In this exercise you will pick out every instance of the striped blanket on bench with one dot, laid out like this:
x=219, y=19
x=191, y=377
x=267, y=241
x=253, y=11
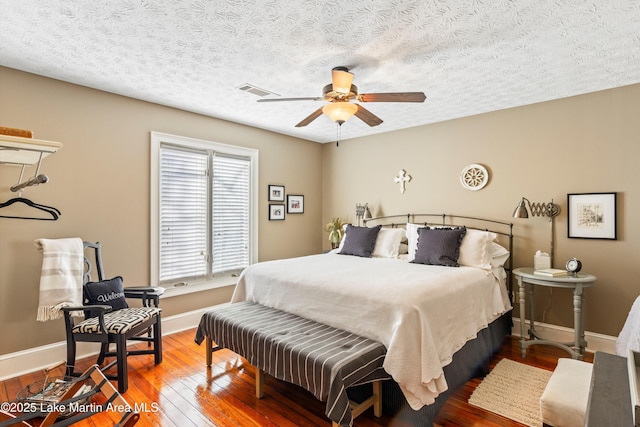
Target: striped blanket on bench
x=321, y=359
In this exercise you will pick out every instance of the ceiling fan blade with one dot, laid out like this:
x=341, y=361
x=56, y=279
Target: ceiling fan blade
x=311, y=117
x=367, y=116
x=313, y=98
x=393, y=97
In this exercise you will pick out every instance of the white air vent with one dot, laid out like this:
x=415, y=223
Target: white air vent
x=247, y=87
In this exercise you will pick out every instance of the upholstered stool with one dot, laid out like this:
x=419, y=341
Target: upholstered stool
x=564, y=400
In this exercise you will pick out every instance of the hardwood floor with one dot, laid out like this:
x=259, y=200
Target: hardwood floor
x=181, y=391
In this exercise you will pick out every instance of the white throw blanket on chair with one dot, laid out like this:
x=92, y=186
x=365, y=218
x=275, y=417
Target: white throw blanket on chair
x=629, y=338
x=61, y=277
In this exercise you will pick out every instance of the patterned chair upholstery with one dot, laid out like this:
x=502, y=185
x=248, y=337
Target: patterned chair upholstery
x=109, y=320
x=117, y=322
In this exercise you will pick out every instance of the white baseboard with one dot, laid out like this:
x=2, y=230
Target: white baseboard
x=595, y=341
x=39, y=358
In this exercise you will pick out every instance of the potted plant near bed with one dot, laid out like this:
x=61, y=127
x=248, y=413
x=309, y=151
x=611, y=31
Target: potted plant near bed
x=336, y=230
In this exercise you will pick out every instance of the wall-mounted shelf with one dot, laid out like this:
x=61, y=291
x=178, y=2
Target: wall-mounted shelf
x=15, y=150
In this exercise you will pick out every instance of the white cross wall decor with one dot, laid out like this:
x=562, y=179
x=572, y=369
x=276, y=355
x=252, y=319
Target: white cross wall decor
x=402, y=179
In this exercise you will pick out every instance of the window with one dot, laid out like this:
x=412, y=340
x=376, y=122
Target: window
x=203, y=209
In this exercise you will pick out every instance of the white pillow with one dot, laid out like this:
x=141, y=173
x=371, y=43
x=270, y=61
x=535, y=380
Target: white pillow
x=499, y=255
x=344, y=234
x=388, y=243
x=412, y=239
x=474, y=249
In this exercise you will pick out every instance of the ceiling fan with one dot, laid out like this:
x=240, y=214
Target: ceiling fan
x=339, y=94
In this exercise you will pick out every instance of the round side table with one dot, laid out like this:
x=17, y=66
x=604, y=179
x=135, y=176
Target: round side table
x=527, y=279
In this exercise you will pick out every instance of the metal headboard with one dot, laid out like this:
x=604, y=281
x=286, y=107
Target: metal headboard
x=503, y=229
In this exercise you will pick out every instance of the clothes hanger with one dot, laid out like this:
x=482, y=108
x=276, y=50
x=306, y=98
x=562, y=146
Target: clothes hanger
x=53, y=212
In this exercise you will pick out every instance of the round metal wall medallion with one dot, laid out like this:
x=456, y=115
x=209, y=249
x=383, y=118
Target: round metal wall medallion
x=474, y=177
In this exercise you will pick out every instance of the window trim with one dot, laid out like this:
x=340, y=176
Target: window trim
x=157, y=138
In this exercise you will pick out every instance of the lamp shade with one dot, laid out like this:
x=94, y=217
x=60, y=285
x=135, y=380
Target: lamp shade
x=340, y=111
x=521, y=210
x=341, y=80
x=367, y=213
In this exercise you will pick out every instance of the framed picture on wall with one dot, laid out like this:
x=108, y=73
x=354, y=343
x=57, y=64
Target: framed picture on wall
x=295, y=204
x=592, y=216
x=276, y=212
x=276, y=193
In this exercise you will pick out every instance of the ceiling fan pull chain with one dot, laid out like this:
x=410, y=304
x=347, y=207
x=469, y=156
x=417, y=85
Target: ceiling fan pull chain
x=338, y=133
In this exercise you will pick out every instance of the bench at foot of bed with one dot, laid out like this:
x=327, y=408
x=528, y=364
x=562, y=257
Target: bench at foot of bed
x=375, y=400
x=319, y=358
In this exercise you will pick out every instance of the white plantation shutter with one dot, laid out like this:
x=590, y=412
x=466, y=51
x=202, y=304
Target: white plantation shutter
x=204, y=225
x=204, y=213
x=231, y=213
x=183, y=214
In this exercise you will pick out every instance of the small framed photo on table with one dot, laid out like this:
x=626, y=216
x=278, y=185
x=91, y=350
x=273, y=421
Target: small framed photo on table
x=276, y=193
x=592, y=216
x=276, y=212
x=295, y=204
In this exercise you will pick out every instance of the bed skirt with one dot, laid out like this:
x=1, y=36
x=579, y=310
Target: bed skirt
x=470, y=361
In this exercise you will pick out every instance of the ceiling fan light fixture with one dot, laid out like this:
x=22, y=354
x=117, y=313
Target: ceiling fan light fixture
x=340, y=111
x=341, y=80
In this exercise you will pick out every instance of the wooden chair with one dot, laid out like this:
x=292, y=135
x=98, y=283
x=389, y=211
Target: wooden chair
x=110, y=324
x=98, y=384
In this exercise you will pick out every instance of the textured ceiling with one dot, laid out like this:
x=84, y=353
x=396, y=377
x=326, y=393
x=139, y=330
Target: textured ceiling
x=468, y=56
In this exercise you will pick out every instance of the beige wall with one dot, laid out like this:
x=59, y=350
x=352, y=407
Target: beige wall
x=100, y=181
x=582, y=144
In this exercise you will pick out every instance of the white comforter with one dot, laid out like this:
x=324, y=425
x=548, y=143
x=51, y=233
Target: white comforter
x=422, y=314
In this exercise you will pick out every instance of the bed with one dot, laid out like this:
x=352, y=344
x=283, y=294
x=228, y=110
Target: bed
x=439, y=323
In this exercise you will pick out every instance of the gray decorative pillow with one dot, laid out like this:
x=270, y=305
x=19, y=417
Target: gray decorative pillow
x=360, y=241
x=439, y=246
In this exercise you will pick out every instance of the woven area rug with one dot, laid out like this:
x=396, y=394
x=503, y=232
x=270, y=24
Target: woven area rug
x=513, y=390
